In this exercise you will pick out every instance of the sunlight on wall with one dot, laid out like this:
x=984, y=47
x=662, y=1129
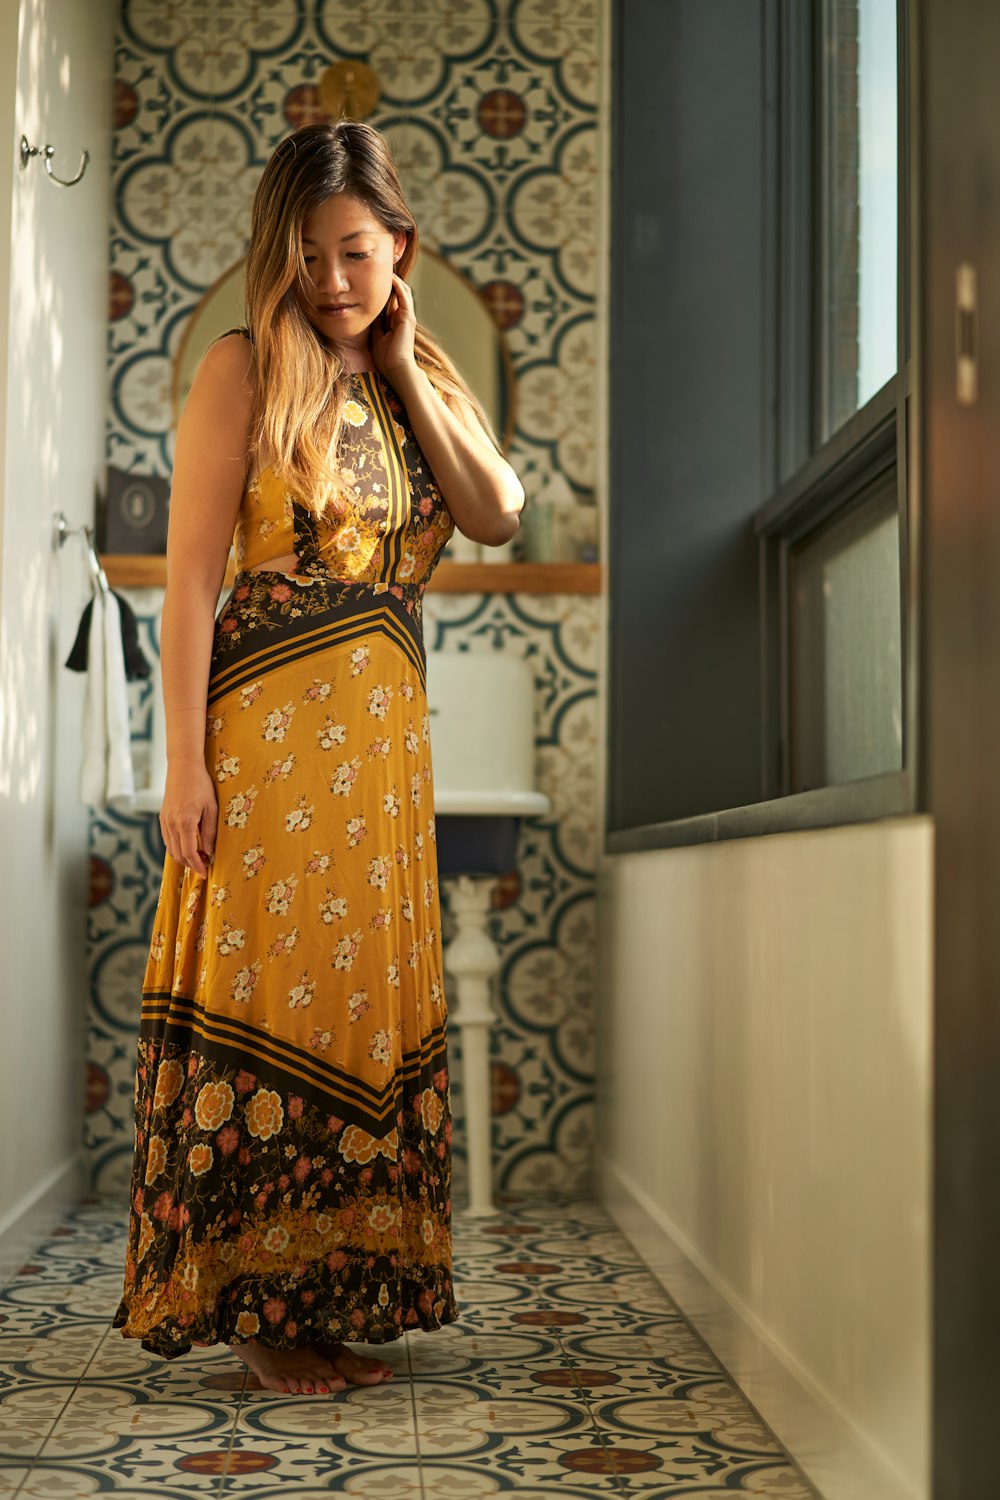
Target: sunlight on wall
x=45, y=223
x=52, y=349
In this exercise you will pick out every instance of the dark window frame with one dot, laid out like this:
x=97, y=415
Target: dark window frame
x=821, y=477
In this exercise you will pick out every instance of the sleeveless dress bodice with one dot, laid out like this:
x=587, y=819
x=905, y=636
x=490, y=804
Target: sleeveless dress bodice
x=395, y=523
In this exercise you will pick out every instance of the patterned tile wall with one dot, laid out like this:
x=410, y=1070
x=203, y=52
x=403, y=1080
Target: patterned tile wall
x=491, y=110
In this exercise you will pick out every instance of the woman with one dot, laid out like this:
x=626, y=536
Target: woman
x=291, y=1185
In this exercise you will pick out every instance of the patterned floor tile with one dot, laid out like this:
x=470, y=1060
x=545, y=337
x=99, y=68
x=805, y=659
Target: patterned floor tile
x=456, y=1482
x=458, y=1350
x=45, y=1270
x=570, y=1372
x=288, y=1466
x=104, y=1419
x=19, y=1318
x=689, y=1463
x=361, y=1481
x=765, y=1484
x=538, y=1314
x=463, y=1418
x=368, y=1482
x=492, y=1300
x=589, y=1250
x=372, y=1422
x=561, y=1208
x=69, y=1482
x=51, y=1351
x=574, y=1465
x=510, y=1381
x=211, y=1374
x=664, y=1349
x=66, y=1240
x=45, y=1484
x=774, y=1482
x=711, y=1409
x=633, y=1285
x=137, y=1469
x=28, y=1414
x=92, y=1292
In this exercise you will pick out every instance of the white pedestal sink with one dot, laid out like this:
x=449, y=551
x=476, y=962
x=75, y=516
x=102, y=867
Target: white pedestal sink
x=483, y=746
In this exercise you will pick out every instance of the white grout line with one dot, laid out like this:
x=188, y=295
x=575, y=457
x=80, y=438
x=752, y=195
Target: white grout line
x=416, y=1426
x=224, y=1476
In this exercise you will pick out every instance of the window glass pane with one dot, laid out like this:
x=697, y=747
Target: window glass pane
x=859, y=215
x=845, y=660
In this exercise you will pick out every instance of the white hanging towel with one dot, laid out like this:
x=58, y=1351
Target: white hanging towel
x=106, y=774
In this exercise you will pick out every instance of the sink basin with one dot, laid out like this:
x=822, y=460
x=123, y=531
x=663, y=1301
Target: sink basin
x=498, y=803
x=481, y=708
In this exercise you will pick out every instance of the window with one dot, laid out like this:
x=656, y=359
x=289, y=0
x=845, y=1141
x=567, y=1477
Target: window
x=759, y=538
x=845, y=719
x=859, y=204
x=833, y=539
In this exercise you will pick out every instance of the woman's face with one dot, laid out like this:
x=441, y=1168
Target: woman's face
x=349, y=260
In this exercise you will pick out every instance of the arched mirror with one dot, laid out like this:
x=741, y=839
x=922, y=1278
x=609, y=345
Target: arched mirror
x=446, y=302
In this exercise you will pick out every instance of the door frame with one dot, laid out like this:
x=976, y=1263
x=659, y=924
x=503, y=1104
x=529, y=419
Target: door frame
x=955, y=453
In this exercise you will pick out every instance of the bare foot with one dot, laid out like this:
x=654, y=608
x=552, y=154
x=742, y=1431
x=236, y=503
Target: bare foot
x=356, y=1368
x=291, y=1371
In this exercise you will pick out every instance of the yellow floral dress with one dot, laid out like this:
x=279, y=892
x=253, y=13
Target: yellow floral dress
x=292, y=1171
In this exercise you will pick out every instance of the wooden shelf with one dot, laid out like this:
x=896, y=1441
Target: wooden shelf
x=125, y=570
x=517, y=578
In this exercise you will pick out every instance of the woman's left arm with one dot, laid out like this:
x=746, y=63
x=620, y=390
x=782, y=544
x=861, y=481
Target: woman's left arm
x=479, y=487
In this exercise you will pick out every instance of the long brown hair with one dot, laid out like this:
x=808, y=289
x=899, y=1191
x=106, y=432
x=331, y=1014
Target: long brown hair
x=300, y=384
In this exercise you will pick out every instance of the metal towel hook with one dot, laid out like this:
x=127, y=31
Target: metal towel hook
x=27, y=151
x=63, y=529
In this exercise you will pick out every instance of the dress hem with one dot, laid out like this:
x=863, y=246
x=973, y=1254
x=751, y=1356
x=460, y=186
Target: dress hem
x=388, y=1334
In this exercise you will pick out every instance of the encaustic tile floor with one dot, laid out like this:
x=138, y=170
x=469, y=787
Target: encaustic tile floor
x=569, y=1373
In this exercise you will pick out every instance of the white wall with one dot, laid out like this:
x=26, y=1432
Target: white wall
x=765, y=1124
x=53, y=327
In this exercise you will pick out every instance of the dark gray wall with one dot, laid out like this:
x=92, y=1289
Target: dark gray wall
x=688, y=406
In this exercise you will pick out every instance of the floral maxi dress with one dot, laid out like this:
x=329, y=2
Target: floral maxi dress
x=292, y=1167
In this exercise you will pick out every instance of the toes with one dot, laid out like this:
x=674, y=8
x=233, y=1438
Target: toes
x=355, y=1368
x=330, y=1385
x=327, y=1377
x=291, y=1373
x=358, y=1370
